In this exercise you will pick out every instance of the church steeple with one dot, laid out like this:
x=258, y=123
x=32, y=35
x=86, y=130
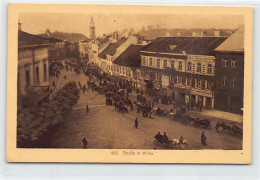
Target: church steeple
x=92, y=29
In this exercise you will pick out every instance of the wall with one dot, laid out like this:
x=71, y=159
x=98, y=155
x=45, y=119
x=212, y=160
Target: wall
x=225, y=94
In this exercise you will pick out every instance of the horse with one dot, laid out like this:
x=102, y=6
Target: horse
x=109, y=102
x=179, y=143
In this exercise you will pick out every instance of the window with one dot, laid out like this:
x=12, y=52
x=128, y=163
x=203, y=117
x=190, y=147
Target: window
x=209, y=68
x=180, y=65
x=165, y=63
x=209, y=85
x=188, y=81
x=179, y=80
x=123, y=70
x=233, y=63
x=224, y=63
x=151, y=62
x=27, y=74
x=175, y=79
x=183, y=80
x=45, y=72
x=202, y=84
x=233, y=82
x=193, y=83
x=224, y=81
x=37, y=74
x=172, y=64
x=198, y=83
x=199, y=67
x=143, y=60
x=189, y=66
x=158, y=63
x=138, y=75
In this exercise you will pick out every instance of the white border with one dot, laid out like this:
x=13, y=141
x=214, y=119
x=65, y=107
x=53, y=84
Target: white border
x=64, y=171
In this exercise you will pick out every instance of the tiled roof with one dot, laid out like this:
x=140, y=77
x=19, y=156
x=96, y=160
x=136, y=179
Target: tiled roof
x=111, y=48
x=191, y=45
x=26, y=40
x=130, y=57
x=234, y=43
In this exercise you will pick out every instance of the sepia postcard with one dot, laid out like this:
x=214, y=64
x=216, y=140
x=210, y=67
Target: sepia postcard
x=129, y=84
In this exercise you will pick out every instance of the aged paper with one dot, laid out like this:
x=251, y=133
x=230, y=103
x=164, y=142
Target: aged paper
x=129, y=84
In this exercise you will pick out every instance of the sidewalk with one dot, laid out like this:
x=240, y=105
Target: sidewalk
x=211, y=114
x=220, y=115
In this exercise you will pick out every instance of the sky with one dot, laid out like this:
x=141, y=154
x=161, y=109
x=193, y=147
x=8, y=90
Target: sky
x=36, y=23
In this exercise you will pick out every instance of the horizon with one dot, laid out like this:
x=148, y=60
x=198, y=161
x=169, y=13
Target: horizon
x=38, y=23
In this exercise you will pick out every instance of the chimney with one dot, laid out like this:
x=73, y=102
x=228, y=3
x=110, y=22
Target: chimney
x=115, y=35
x=194, y=34
x=19, y=25
x=203, y=33
x=216, y=33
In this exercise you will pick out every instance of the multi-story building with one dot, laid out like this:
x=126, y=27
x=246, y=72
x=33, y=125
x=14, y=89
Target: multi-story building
x=181, y=68
x=84, y=47
x=33, y=64
x=113, y=50
x=106, y=57
x=127, y=65
x=230, y=73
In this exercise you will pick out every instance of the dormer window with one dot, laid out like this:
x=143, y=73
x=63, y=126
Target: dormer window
x=172, y=47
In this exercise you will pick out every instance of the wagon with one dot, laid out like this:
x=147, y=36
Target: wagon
x=201, y=122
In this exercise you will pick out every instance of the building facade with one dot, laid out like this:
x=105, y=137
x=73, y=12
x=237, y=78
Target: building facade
x=181, y=69
x=33, y=63
x=127, y=65
x=230, y=74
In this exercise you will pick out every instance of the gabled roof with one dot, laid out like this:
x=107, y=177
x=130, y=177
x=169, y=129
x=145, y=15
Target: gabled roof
x=191, y=45
x=111, y=48
x=235, y=43
x=27, y=39
x=130, y=57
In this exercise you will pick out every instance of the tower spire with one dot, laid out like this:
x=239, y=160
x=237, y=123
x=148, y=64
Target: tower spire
x=92, y=29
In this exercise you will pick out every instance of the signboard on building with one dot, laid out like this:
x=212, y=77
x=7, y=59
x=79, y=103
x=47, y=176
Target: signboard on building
x=165, y=81
x=201, y=92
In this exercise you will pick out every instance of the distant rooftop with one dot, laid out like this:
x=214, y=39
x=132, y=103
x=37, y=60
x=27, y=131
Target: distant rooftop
x=111, y=48
x=234, y=43
x=130, y=57
x=26, y=39
x=190, y=45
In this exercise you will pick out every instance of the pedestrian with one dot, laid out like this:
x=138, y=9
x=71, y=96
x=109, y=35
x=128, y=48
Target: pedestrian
x=85, y=142
x=203, y=139
x=84, y=89
x=136, y=123
x=87, y=109
x=165, y=138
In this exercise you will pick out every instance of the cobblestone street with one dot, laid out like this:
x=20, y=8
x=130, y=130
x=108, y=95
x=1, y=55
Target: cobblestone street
x=106, y=128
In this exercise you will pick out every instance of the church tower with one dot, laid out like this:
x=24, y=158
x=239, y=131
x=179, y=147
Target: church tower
x=92, y=29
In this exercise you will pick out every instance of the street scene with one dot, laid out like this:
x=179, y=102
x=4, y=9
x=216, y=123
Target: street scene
x=147, y=85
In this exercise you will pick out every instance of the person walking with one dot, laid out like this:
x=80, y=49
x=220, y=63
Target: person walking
x=136, y=123
x=203, y=139
x=85, y=142
x=84, y=89
x=87, y=109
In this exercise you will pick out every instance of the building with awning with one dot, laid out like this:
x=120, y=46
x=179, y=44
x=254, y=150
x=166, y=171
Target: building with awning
x=183, y=68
